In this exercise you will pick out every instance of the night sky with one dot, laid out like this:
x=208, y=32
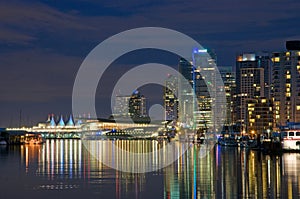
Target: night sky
x=43, y=43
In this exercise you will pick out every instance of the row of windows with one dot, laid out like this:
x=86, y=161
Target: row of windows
x=291, y=134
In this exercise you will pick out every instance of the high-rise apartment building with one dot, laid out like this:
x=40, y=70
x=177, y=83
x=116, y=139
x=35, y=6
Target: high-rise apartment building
x=251, y=83
x=170, y=98
x=137, y=105
x=200, y=66
x=121, y=107
x=131, y=107
x=260, y=116
x=286, y=84
x=228, y=77
x=186, y=108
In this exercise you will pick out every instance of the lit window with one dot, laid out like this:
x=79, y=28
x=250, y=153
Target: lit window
x=288, y=94
x=287, y=54
x=276, y=59
x=298, y=107
x=288, y=76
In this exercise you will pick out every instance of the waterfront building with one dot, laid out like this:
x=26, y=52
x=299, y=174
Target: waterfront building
x=137, y=105
x=185, y=109
x=251, y=83
x=260, y=114
x=228, y=77
x=121, y=107
x=170, y=98
x=286, y=84
x=55, y=129
x=199, y=72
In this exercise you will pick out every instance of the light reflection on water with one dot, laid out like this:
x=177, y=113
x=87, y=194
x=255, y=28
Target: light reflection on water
x=65, y=168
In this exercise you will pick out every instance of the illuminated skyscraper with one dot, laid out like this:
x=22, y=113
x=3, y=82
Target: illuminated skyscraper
x=170, y=98
x=260, y=114
x=137, y=105
x=228, y=77
x=201, y=63
x=121, y=108
x=286, y=84
x=250, y=84
x=131, y=107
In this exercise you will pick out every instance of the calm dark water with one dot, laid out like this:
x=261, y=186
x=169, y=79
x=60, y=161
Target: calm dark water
x=66, y=169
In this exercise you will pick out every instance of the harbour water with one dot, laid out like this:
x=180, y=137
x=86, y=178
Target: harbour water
x=67, y=169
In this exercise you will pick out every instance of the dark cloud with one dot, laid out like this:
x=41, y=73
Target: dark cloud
x=36, y=75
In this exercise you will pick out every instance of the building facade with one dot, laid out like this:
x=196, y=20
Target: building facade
x=286, y=84
x=260, y=114
x=251, y=84
x=199, y=71
x=170, y=99
x=121, y=107
x=228, y=77
x=137, y=105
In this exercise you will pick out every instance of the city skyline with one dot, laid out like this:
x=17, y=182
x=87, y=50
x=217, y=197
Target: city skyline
x=149, y=99
x=43, y=43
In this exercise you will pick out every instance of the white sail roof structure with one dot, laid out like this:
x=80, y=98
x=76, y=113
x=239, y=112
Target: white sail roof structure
x=70, y=122
x=52, y=121
x=61, y=122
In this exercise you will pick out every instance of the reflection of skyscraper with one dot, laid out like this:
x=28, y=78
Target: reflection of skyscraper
x=170, y=98
x=286, y=82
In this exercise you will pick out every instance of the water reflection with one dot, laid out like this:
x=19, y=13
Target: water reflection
x=60, y=158
x=135, y=156
x=233, y=173
x=223, y=173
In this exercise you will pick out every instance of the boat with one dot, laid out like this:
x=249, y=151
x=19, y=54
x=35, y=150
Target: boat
x=128, y=133
x=291, y=139
x=3, y=142
x=250, y=143
x=33, y=138
x=227, y=142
